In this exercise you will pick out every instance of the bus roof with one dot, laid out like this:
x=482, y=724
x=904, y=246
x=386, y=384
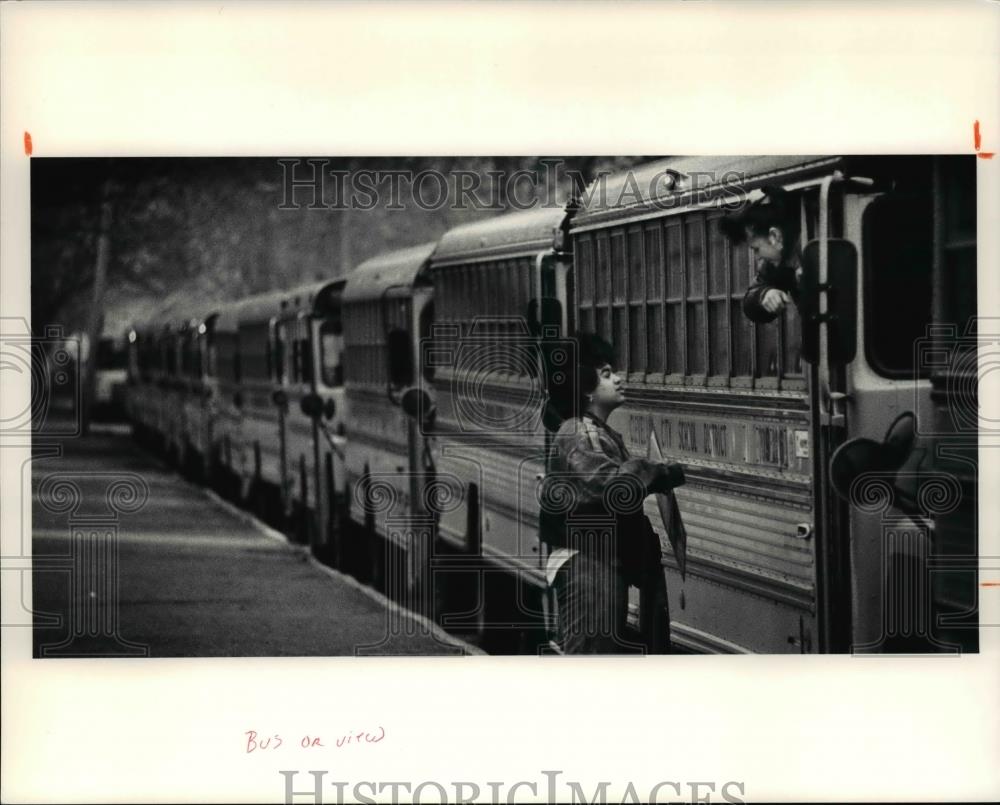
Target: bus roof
x=318, y=297
x=261, y=307
x=178, y=313
x=514, y=235
x=668, y=183
x=201, y=314
x=228, y=318
x=400, y=269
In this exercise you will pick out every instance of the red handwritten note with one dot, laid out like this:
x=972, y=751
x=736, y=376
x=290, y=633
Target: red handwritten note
x=256, y=742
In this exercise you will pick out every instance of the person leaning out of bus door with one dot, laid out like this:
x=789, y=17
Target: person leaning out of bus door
x=771, y=228
x=588, y=454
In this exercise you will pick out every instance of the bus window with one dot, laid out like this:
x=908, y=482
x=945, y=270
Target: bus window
x=675, y=300
x=225, y=355
x=211, y=354
x=399, y=358
x=196, y=367
x=254, y=343
x=636, y=304
x=897, y=235
x=767, y=350
x=426, y=321
x=279, y=363
x=718, y=301
x=694, y=264
x=957, y=194
x=668, y=295
x=170, y=349
x=653, y=260
x=741, y=273
x=187, y=355
x=305, y=361
x=329, y=348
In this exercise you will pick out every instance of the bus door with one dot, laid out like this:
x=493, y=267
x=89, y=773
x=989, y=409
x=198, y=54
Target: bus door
x=827, y=291
x=889, y=388
x=420, y=463
x=324, y=405
x=865, y=303
x=404, y=315
x=209, y=379
x=284, y=398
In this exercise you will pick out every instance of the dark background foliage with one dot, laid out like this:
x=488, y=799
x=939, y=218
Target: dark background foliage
x=194, y=230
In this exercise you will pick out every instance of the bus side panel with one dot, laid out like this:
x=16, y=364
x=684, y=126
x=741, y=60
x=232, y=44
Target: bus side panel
x=376, y=431
x=746, y=508
x=261, y=431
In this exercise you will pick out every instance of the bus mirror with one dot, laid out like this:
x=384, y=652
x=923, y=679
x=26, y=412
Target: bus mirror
x=551, y=317
x=545, y=319
x=842, y=294
x=534, y=323
x=851, y=460
x=311, y=405
x=417, y=404
x=400, y=358
x=890, y=457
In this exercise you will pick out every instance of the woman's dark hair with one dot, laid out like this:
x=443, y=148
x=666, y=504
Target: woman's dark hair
x=569, y=398
x=593, y=352
x=777, y=208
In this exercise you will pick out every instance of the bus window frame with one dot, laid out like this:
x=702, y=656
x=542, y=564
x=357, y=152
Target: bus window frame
x=592, y=306
x=307, y=358
x=870, y=308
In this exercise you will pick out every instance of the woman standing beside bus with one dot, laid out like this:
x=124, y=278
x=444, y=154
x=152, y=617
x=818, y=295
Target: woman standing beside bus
x=608, y=538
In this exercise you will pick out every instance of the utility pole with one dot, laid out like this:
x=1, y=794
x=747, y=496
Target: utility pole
x=95, y=322
x=345, y=241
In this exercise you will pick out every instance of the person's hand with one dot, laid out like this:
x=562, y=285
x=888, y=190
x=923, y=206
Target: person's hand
x=669, y=476
x=774, y=300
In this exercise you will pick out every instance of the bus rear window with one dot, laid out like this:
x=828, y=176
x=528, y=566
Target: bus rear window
x=331, y=344
x=898, y=246
x=110, y=355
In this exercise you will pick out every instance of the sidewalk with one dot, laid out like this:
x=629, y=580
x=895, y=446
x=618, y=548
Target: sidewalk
x=196, y=576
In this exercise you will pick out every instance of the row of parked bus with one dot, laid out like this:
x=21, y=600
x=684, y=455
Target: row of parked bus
x=395, y=418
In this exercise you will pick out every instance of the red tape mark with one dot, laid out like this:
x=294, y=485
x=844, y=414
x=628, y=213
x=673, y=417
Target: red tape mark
x=977, y=141
x=27, y=144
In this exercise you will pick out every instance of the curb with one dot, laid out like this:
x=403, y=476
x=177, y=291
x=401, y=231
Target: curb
x=304, y=552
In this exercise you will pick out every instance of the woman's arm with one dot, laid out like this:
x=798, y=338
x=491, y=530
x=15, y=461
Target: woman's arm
x=590, y=462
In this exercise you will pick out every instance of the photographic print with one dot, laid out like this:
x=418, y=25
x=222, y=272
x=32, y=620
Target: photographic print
x=535, y=405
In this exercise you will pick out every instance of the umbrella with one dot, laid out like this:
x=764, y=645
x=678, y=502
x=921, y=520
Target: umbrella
x=670, y=514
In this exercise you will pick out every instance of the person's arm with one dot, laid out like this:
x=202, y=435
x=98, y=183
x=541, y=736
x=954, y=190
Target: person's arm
x=768, y=294
x=593, y=469
x=753, y=304
x=655, y=476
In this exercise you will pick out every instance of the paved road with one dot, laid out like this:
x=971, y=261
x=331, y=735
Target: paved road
x=195, y=576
